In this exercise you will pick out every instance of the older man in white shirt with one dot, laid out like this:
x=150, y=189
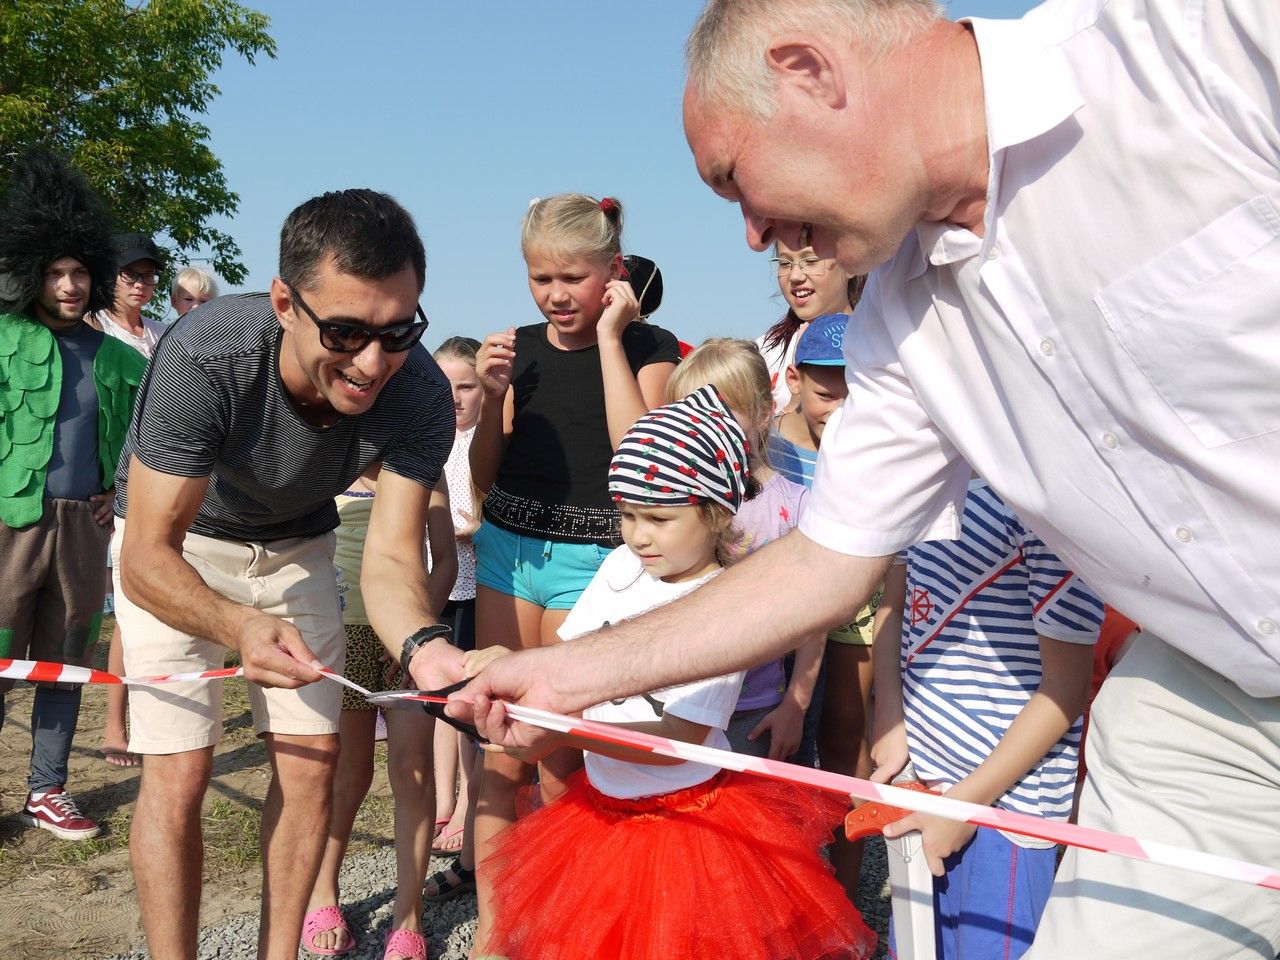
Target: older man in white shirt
x=1086, y=309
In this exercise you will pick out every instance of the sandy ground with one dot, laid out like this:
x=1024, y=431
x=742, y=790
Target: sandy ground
x=60, y=899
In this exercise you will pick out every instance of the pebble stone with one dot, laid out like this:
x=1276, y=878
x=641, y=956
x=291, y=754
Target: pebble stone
x=367, y=891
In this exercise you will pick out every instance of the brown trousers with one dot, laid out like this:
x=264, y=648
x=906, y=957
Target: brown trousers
x=53, y=579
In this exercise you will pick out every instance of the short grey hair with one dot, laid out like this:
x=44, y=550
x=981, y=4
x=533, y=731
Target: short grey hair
x=194, y=280
x=726, y=49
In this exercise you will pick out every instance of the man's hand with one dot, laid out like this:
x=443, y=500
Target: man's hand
x=785, y=725
x=104, y=507
x=273, y=653
x=940, y=837
x=439, y=664
x=518, y=678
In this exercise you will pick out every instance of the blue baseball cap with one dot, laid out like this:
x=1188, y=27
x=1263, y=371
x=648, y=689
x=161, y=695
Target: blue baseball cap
x=822, y=342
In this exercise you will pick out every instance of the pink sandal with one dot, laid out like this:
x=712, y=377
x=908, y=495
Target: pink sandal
x=322, y=920
x=406, y=943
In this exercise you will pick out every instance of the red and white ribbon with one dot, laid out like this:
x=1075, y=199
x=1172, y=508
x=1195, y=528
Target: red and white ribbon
x=41, y=671
x=1056, y=831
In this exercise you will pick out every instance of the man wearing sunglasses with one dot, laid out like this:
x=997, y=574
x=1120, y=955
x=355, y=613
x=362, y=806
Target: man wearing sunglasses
x=256, y=412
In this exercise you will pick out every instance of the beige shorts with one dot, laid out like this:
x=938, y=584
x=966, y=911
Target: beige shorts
x=291, y=579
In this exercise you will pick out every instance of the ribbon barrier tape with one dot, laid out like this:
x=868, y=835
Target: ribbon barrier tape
x=940, y=805
x=1055, y=831
x=41, y=671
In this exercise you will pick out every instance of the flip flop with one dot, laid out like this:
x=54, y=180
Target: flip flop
x=407, y=944
x=437, y=846
x=441, y=823
x=322, y=920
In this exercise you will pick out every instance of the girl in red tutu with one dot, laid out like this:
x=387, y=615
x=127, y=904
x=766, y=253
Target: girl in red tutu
x=648, y=858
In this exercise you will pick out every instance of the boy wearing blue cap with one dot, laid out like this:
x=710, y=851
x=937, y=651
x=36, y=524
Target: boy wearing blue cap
x=816, y=378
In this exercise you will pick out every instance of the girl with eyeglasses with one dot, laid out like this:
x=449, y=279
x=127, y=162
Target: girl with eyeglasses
x=558, y=397
x=812, y=286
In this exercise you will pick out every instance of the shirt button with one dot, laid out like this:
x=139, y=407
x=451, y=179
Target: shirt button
x=1111, y=441
x=994, y=252
x=1267, y=626
x=1046, y=347
x=1183, y=534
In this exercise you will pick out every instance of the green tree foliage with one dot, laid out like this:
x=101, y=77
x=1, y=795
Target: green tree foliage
x=117, y=86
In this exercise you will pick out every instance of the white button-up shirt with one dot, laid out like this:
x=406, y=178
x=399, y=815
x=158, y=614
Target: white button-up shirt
x=1107, y=354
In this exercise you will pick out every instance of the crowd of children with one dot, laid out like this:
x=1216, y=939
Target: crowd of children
x=595, y=475
x=599, y=504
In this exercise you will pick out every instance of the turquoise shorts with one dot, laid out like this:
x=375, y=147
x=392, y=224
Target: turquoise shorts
x=548, y=573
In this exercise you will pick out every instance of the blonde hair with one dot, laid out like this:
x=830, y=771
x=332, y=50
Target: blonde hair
x=196, y=281
x=739, y=372
x=728, y=538
x=573, y=225
x=725, y=52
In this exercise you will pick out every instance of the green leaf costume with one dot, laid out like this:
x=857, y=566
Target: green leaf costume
x=30, y=390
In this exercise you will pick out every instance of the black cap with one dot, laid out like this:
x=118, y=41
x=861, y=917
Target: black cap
x=132, y=247
x=646, y=281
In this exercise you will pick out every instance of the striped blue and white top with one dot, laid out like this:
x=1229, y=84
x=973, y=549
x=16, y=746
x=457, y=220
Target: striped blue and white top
x=970, y=653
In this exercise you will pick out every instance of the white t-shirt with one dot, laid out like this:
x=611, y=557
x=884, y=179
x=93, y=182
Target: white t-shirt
x=144, y=343
x=622, y=589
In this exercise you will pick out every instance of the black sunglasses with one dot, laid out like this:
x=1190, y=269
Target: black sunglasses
x=353, y=337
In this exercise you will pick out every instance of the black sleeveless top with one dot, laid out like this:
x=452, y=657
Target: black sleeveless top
x=553, y=481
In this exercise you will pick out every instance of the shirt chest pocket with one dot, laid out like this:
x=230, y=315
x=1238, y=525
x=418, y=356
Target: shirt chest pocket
x=1202, y=323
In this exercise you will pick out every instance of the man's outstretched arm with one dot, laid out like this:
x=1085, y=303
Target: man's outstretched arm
x=157, y=577
x=756, y=610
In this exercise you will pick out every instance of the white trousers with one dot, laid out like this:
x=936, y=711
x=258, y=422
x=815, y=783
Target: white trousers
x=1179, y=755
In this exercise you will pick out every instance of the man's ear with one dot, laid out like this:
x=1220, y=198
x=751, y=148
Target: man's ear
x=282, y=303
x=809, y=65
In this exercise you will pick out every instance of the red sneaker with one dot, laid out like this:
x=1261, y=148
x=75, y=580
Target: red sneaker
x=57, y=812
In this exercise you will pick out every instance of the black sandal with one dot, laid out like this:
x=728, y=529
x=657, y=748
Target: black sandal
x=446, y=889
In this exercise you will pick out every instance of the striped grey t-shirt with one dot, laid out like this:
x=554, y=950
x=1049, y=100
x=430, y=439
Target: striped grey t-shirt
x=212, y=404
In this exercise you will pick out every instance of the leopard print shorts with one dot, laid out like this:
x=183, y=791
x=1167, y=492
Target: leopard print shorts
x=366, y=666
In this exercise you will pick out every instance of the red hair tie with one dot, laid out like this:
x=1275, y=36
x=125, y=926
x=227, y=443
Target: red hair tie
x=608, y=204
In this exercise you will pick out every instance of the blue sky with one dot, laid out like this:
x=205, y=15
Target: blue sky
x=466, y=111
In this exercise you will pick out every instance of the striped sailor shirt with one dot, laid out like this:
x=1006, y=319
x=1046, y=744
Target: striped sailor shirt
x=970, y=657
x=212, y=404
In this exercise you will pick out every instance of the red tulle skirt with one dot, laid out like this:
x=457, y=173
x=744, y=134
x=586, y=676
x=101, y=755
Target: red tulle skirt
x=726, y=869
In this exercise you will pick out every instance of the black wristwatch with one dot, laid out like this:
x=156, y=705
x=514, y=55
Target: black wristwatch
x=419, y=639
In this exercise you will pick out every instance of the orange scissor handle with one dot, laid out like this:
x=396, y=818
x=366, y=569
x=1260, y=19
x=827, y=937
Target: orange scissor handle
x=874, y=816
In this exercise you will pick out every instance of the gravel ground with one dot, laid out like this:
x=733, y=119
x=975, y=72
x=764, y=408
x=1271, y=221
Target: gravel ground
x=367, y=894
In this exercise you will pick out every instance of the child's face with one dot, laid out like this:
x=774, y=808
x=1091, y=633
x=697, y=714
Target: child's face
x=821, y=391
x=674, y=543
x=184, y=301
x=570, y=291
x=467, y=396
x=813, y=290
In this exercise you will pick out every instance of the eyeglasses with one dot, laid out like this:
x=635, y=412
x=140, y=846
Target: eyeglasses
x=353, y=337
x=146, y=279
x=809, y=266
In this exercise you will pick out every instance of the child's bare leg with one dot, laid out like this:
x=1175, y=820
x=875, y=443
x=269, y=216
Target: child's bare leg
x=350, y=784
x=501, y=620
x=555, y=770
x=115, y=737
x=409, y=738
x=444, y=749
x=842, y=740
